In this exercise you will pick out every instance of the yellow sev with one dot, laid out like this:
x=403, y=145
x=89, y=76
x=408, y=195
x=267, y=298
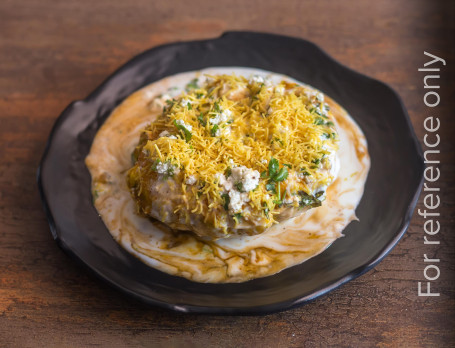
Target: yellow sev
x=256, y=122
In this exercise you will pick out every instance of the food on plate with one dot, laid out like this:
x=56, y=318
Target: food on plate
x=227, y=174
x=233, y=156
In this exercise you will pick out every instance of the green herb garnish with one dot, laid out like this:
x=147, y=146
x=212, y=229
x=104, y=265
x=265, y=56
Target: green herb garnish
x=192, y=85
x=201, y=119
x=237, y=217
x=281, y=175
x=319, y=194
x=186, y=134
x=155, y=164
x=318, y=121
x=217, y=108
x=214, y=130
x=226, y=199
x=271, y=187
x=276, y=175
x=315, y=111
x=278, y=140
x=307, y=200
x=273, y=166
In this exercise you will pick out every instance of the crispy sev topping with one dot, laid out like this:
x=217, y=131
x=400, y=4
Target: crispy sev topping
x=283, y=132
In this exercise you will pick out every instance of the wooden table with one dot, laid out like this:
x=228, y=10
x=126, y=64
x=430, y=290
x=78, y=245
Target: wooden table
x=53, y=52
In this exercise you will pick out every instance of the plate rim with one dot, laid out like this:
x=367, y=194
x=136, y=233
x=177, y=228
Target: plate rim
x=253, y=310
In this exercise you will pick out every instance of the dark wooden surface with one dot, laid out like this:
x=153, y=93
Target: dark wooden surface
x=53, y=52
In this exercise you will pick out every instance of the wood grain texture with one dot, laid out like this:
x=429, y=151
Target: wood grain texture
x=54, y=52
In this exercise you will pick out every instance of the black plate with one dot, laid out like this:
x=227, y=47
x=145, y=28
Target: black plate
x=391, y=190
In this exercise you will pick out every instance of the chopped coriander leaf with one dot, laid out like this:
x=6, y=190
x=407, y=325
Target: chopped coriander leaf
x=266, y=212
x=270, y=187
x=308, y=201
x=264, y=174
x=226, y=200
x=273, y=166
x=237, y=217
x=214, y=130
x=192, y=85
x=281, y=175
x=326, y=135
x=216, y=106
x=228, y=172
x=319, y=194
x=199, y=95
x=279, y=140
x=287, y=165
x=239, y=186
x=190, y=107
x=185, y=132
x=201, y=119
x=330, y=124
x=316, y=161
x=155, y=164
x=315, y=111
x=318, y=121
